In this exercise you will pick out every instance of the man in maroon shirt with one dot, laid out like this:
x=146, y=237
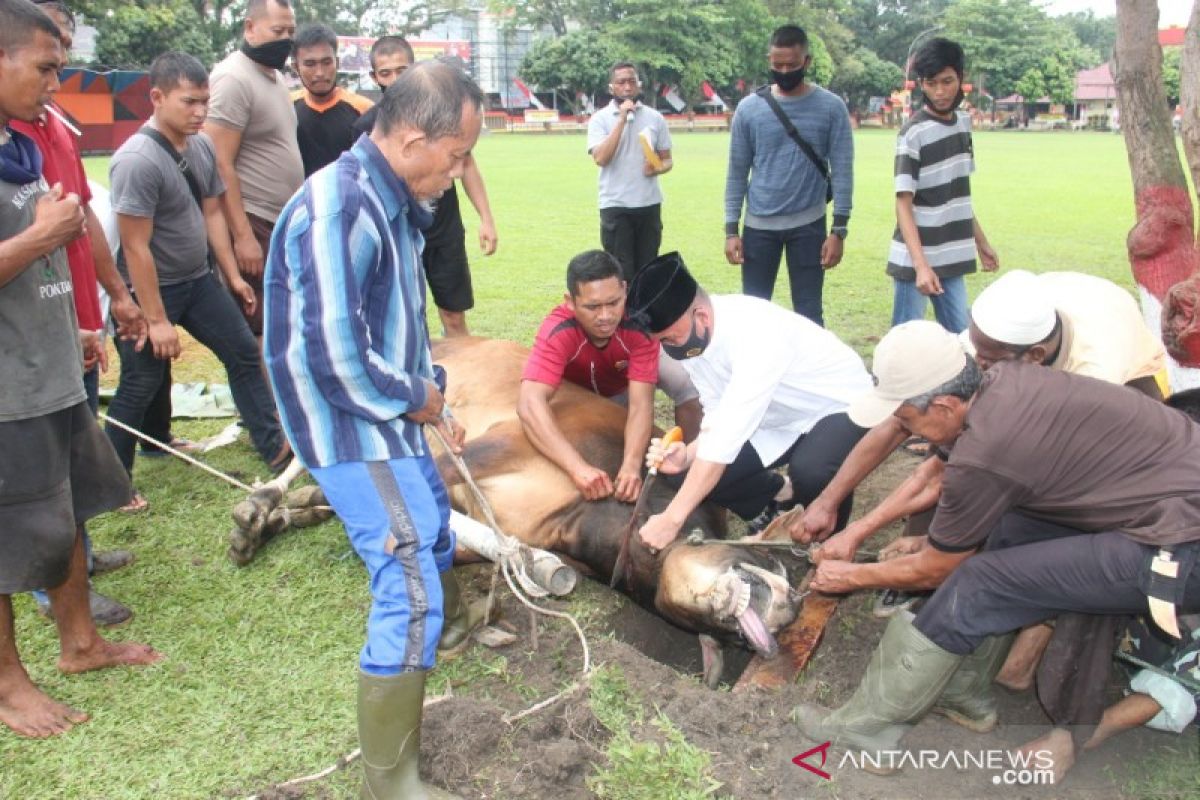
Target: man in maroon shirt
x=589, y=341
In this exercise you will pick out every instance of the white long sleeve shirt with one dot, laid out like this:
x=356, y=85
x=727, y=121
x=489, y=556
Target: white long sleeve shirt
x=767, y=377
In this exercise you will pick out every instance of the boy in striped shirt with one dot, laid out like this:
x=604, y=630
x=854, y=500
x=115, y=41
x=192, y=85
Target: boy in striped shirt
x=937, y=234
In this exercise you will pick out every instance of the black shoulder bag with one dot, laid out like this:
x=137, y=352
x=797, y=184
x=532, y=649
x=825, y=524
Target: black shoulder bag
x=179, y=160
x=806, y=148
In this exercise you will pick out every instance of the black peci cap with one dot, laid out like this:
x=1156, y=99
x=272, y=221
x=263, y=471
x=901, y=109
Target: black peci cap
x=661, y=293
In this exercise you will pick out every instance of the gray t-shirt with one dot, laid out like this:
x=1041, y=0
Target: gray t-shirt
x=623, y=184
x=146, y=182
x=41, y=362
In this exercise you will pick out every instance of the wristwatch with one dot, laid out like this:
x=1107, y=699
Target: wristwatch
x=839, y=231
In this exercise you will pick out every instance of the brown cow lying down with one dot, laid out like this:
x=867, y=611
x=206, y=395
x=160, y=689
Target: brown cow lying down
x=733, y=594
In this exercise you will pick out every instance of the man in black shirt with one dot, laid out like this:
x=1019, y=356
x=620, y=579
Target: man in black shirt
x=325, y=112
x=445, y=254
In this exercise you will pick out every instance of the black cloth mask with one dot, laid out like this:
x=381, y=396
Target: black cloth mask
x=957, y=102
x=694, y=346
x=272, y=54
x=787, y=81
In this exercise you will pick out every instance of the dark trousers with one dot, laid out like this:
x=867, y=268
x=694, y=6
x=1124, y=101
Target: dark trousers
x=761, y=252
x=204, y=309
x=1032, y=571
x=632, y=236
x=747, y=485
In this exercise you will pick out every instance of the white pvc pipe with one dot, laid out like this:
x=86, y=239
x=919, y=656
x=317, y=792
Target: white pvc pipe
x=549, y=571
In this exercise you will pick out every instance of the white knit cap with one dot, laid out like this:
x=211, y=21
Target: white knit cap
x=1014, y=310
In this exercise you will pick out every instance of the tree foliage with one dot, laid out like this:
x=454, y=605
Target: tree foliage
x=133, y=35
x=865, y=75
x=576, y=62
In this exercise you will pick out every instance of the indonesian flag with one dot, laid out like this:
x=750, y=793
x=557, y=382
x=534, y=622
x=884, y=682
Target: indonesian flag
x=673, y=99
x=711, y=95
x=527, y=93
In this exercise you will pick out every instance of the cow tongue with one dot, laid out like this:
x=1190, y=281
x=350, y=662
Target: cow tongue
x=756, y=633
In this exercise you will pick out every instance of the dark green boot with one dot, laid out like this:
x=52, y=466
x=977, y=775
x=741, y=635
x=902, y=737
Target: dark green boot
x=461, y=617
x=906, y=674
x=389, y=732
x=969, y=699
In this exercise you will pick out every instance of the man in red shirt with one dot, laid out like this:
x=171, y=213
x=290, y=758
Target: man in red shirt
x=589, y=341
x=89, y=259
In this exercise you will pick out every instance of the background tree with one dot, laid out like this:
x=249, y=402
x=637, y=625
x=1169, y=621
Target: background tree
x=560, y=16
x=133, y=35
x=863, y=76
x=576, y=62
x=1098, y=34
x=1162, y=243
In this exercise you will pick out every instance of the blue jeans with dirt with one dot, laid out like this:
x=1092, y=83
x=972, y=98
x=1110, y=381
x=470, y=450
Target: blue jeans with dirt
x=949, y=307
x=397, y=517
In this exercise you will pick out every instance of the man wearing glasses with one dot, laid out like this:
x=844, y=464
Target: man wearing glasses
x=632, y=146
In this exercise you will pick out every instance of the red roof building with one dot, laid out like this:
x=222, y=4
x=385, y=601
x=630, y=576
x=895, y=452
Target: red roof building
x=1172, y=36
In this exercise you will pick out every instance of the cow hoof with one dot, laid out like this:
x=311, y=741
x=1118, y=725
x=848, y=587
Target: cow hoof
x=252, y=513
x=307, y=517
x=244, y=543
x=306, y=497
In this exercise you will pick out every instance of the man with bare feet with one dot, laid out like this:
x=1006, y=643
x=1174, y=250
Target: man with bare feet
x=59, y=469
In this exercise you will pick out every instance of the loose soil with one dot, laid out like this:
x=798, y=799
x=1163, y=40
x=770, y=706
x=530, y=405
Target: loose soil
x=468, y=747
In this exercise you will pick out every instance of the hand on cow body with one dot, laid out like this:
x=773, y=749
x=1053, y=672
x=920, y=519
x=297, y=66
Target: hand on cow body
x=659, y=531
x=839, y=547
x=592, y=483
x=835, y=577
x=815, y=524
x=628, y=484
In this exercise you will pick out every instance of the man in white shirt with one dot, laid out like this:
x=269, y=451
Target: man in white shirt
x=774, y=387
x=630, y=143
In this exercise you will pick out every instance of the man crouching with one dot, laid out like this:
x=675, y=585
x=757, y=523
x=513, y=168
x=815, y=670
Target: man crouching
x=58, y=469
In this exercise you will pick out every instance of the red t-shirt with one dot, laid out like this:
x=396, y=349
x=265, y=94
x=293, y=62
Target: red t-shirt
x=61, y=163
x=562, y=350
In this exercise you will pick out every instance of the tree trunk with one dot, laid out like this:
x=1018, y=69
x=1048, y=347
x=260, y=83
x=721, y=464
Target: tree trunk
x=1189, y=93
x=1161, y=243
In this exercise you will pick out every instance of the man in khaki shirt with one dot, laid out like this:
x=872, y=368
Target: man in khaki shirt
x=252, y=123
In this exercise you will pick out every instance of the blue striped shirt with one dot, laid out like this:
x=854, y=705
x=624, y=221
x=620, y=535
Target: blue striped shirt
x=345, y=343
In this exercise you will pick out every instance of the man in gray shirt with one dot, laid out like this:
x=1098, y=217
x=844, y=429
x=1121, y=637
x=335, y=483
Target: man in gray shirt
x=632, y=146
x=784, y=188
x=168, y=216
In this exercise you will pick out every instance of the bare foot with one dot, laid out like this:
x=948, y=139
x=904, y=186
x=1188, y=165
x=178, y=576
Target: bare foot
x=29, y=712
x=1057, y=747
x=108, y=654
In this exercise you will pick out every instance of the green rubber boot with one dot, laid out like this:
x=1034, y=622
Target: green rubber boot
x=969, y=698
x=906, y=674
x=389, y=732
x=461, y=617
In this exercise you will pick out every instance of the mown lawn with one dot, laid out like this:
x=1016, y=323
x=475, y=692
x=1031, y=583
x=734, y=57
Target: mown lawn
x=258, y=684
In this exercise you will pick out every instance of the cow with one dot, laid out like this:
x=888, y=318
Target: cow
x=733, y=594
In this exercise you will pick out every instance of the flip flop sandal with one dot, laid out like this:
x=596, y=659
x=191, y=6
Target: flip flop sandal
x=135, y=506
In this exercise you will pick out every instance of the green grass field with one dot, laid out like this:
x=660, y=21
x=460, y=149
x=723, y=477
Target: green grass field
x=258, y=685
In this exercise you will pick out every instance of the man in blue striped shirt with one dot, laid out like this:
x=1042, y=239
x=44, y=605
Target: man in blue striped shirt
x=348, y=353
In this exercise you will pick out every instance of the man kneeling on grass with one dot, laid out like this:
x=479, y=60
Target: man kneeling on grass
x=1061, y=493
x=58, y=470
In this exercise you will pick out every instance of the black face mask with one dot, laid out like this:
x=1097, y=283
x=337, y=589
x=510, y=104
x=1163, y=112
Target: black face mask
x=787, y=81
x=694, y=346
x=272, y=54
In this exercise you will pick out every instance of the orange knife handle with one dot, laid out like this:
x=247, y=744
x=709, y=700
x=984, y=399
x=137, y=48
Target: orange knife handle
x=669, y=438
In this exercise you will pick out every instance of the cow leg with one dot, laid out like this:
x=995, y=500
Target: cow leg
x=713, y=657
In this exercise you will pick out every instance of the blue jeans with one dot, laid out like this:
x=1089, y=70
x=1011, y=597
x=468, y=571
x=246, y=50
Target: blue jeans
x=397, y=517
x=204, y=309
x=950, y=307
x=761, y=251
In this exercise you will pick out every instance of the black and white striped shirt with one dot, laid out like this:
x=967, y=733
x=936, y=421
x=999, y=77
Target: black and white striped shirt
x=934, y=162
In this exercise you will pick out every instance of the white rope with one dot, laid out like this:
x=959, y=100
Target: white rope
x=511, y=563
x=215, y=472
